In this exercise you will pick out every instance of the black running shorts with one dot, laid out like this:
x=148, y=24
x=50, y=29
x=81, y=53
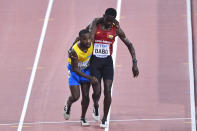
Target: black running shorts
x=102, y=68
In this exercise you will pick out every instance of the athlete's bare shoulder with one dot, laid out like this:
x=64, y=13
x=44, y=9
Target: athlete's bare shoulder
x=97, y=20
x=119, y=31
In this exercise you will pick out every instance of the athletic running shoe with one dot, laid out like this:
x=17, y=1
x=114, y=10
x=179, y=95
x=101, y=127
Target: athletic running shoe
x=84, y=122
x=66, y=112
x=103, y=124
x=96, y=114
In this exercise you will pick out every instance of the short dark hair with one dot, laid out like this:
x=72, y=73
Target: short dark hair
x=83, y=31
x=111, y=12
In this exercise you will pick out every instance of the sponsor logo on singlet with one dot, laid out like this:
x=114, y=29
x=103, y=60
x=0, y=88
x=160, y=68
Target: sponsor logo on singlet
x=110, y=36
x=83, y=65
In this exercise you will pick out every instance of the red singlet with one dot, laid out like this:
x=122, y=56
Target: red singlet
x=103, y=44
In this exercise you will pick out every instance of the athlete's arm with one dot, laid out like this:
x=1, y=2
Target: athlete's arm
x=74, y=66
x=93, y=26
x=130, y=47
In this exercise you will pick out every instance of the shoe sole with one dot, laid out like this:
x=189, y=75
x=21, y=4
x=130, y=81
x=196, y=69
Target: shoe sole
x=66, y=117
x=85, y=125
x=103, y=126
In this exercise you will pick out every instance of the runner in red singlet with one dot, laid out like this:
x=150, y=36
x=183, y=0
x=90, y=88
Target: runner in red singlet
x=103, y=31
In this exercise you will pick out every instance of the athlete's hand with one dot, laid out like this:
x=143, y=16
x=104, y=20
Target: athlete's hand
x=93, y=80
x=135, y=70
x=116, y=24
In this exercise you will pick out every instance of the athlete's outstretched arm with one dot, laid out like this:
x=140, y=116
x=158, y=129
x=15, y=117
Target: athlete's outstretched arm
x=91, y=28
x=130, y=47
x=74, y=66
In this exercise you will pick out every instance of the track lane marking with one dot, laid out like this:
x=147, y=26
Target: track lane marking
x=38, y=68
x=93, y=121
x=191, y=65
x=119, y=2
x=35, y=65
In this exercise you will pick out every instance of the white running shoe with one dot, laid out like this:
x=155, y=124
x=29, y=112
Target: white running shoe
x=96, y=114
x=84, y=122
x=103, y=124
x=66, y=112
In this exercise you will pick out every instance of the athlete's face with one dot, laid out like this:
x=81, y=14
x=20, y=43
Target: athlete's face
x=108, y=21
x=85, y=40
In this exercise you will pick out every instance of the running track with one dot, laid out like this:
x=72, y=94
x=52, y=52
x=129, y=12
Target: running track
x=158, y=100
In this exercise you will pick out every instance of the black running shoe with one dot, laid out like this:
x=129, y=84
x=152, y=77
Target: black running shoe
x=96, y=114
x=103, y=124
x=67, y=112
x=84, y=122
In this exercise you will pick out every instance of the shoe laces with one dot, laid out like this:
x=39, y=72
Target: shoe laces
x=67, y=109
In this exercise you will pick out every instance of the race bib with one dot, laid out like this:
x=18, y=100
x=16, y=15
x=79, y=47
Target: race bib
x=101, y=50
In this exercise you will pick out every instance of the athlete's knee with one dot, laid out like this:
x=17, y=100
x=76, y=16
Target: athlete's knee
x=86, y=97
x=85, y=100
x=108, y=83
x=96, y=94
x=97, y=91
x=107, y=93
x=76, y=97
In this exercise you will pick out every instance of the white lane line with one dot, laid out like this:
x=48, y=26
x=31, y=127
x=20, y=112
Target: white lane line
x=191, y=65
x=35, y=65
x=93, y=121
x=159, y=119
x=114, y=56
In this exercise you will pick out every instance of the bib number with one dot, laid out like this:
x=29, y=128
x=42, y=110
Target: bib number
x=101, y=50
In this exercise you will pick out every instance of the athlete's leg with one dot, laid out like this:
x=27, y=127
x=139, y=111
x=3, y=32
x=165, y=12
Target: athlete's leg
x=95, y=70
x=108, y=74
x=75, y=94
x=85, y=88
x=96, y=93
x=107, y=97
x=74, y=84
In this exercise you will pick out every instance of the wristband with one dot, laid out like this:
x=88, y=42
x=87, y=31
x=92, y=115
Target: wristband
x=134, y=60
